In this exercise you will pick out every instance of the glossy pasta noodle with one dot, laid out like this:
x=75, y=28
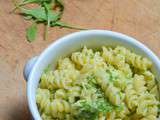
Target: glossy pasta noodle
x=109, y=84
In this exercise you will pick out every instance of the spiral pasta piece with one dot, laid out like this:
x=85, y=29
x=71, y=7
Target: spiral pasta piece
x=150, y=79
x=112, y=93
x=60, y=94
x=58, y=107
x=131, y=97
x=139, y=84
x=117, y=60
x=151, y=84
x=135, y=60
x=43, y=99
x=123, y=112
x=147, y=105
x=65, y=63
x=118, y=114
x=87, y=59
x=73, y=93
x=84, y=57
x=112, y=59
x=111, y=115
x=89, y=94
x=46, y=80
x=61, y=78
x=58, y=79
x=46, y=117
x=149, y=117
x=154, y=91
x=119, y=80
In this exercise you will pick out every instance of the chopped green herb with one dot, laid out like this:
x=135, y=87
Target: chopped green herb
x=91, y=109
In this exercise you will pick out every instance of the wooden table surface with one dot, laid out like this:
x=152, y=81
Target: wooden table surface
x=137, y=18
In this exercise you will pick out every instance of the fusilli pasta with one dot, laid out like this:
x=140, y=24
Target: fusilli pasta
x=107, y=84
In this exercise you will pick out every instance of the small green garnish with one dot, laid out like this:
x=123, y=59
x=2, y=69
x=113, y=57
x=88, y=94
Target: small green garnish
x=47, y=12
x=91, y=109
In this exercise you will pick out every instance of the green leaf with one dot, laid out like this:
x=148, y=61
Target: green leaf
x=43, y=14
x=65, y=25
x=36, y=13
x=39, y=14
x=31, y=32
x=36, y=1
x=54, y=16
x=51, y=14
x=22, y=3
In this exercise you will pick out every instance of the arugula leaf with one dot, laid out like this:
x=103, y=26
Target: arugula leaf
x=31, y=32
x=65, y=25
x=39, y=14
x=44, y=14
x=54, y=16
x=22, y=3
x=36, y=13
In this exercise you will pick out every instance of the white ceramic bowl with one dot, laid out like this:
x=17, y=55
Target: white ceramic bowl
x=73, y=42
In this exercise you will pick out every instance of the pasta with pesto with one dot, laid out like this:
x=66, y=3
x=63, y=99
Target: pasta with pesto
x=112, y=83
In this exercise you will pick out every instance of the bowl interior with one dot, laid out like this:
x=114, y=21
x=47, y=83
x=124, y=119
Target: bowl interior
x=73, y=42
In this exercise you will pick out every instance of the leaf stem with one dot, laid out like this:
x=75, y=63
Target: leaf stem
x=48, y=23
x=73, y=27
x=64, y=25
x=46, y=31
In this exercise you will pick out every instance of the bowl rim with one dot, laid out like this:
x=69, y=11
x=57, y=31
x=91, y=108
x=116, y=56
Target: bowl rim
x=126, y=38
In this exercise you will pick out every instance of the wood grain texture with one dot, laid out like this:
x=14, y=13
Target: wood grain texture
x=137, y=18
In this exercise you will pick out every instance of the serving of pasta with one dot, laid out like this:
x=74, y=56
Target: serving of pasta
x=105, y=84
